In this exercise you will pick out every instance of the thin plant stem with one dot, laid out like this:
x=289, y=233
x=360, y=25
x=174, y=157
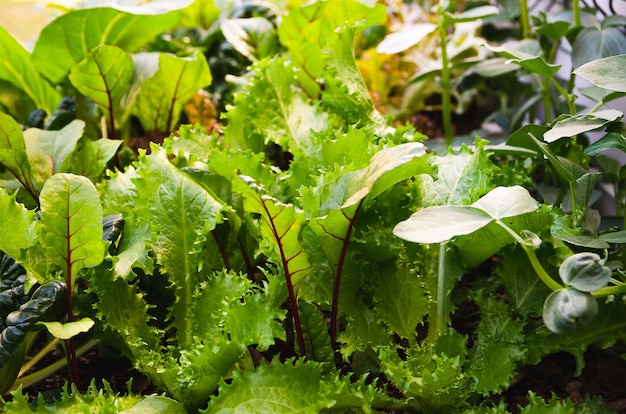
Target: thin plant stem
x=38, y=356
x=441, y=287
x=35, y=377
x=529, y=249
x=445, y=83
x=576, y=12
x=524, y=19
x=337, y=283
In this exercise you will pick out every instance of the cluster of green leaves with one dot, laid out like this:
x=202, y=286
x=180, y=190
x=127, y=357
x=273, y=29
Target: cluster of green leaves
x=308, y=257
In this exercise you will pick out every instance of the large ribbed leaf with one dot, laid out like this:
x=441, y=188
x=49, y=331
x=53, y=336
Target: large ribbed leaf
x=163, y=95
x=69, y=38
x=71, y=223
x=102, y=76
x=17, y=68
x=182, y=213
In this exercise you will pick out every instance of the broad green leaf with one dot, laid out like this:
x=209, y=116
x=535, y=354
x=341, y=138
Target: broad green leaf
x=155, y=404
x=606, y=73
x=212, y=299
x=13, y=153
x=69, y=38
x=273, y=388
x=405, y=38
x=437, y=224
x=16, y=67
x=522, y=54
x=579, y=124
x=17, y=228
x=471, y=15
x=493, y=67
x=440, y=223
x=182, y=213
x=50, y=152
x=102, y=76
x=254, y=321
x=91, y=157
x=68, y=330
x=567, y=169
x=600, y=95
x=280, y=227
x=593, y=43
x=461, y=178
x=611, y=141
x=554, y=30
x=163, y=95
x=271, y=109
x=196, y=375
x=386, y=168
x=71, y=223
x=503, y=202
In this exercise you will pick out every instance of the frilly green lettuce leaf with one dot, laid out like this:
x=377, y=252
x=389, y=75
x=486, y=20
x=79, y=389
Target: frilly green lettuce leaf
x=182, y=214
x=272, y=109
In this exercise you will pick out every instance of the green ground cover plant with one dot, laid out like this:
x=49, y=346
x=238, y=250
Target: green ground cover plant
x=210, y=189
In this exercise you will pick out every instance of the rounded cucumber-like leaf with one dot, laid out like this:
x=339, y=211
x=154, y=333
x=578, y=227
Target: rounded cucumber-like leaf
x=565, y=309
x=585, y=272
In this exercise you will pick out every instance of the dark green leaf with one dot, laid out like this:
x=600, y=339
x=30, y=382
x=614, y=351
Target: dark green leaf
x=593, y=43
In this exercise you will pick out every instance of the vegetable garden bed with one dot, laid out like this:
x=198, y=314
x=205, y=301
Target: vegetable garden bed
x=269, y=207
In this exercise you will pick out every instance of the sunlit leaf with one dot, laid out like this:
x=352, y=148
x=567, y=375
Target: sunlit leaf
x=405, y=38
x=69, y=329
x=71, y=36
x=162, y=95
x=13, y=153
x=521, y=53
x=437, y=224
x=103, y=76
x=606, y=73
x=71, y=223
x=579, y=124
x=17, y=228
x=17, y=68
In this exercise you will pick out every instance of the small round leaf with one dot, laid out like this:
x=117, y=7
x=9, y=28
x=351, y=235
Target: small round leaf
x=565, y=309
x=585, y=272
